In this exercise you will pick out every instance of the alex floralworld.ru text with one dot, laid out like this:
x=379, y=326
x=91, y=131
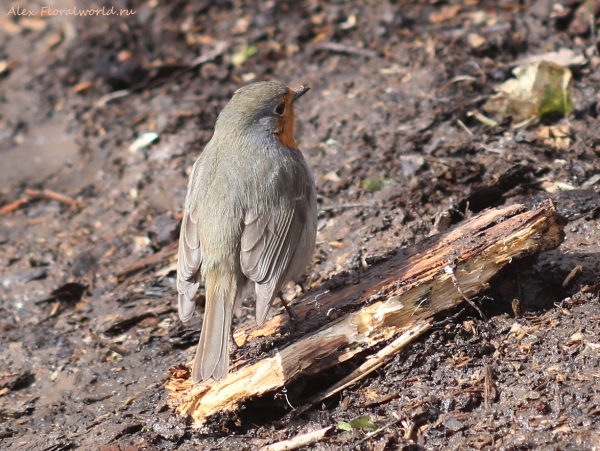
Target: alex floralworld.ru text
x=75, y=11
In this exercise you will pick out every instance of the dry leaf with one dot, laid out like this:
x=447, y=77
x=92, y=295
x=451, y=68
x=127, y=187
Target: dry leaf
x=446, y=12
x=563, y=57
x=475, y=40
x=80, y=87
x=539, y=88
x=557, y=136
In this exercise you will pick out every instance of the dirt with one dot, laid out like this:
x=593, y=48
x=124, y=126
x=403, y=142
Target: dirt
x=88, y=339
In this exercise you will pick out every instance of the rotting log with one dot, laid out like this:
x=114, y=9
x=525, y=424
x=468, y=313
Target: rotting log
x=442, y=273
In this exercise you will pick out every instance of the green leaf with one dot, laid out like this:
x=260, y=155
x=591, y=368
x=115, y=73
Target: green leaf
x=375, y=183
x=240, y=57
x=344, y=426
x=363, y=422
x=115, y=356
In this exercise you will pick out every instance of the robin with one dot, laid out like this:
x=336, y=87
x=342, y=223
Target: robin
x=250, y=217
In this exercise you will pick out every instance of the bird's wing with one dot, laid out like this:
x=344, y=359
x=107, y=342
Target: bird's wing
x=269, y=242
x=190, y=256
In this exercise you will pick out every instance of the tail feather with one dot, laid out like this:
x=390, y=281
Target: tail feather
x=212, y=355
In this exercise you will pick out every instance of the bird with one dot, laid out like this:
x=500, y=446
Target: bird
x=250, y=217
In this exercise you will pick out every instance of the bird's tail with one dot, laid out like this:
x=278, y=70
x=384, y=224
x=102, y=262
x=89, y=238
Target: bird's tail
x=212, y=356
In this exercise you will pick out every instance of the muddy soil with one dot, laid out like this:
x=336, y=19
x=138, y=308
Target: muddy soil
x=89, y=333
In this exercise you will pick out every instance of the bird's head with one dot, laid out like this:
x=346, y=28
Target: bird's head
x=264, y=107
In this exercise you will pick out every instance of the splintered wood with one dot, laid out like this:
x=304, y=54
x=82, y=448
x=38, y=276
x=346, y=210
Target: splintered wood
x=441, y=273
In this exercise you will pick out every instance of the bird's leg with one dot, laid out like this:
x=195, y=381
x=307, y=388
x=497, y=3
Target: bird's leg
x=291, y=314
x=236, y=347
x=238, y=303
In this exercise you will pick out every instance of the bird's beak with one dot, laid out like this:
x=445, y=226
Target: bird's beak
x=300, y=92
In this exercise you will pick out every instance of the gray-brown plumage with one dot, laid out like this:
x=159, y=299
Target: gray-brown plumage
x=250, y=217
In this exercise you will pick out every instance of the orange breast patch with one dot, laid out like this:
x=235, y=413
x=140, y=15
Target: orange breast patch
x=285, y=129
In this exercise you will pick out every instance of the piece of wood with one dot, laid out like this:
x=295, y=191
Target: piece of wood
x=164, y=254
x=441, y=273
x=37, y=194
x=50, y=195
x=375, y=361
x=299, y=441
x=13, y=206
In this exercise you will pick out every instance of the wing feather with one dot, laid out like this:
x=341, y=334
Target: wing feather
x=269, y=242
x=188, y=265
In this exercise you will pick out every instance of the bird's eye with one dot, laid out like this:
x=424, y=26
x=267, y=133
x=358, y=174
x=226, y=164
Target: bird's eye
x=280, y=109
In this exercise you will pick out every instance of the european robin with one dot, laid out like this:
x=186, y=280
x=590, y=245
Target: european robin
x=250, y=217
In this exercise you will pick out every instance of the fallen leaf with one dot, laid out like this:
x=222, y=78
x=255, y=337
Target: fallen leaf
x=363, y=422
x=563, y=57
x=575, y=338
x=446, y=12
x=240, y=26
x=538, y=89
x=557, y=136
x=240, y=57
x=475, y=40
x=375, y=183
x=143, y=141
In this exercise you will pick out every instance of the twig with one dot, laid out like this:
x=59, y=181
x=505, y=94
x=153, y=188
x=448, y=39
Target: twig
x=375, y=361
x=342, y=48
x=147, y=262
x=525, y=123
x=298, y=441
x=381, y=429
x=448, y=319
x=457, y=79
x=489, y=393
x=481, y=72
x=53, y=313
x=483, y=119
x=37, y=194
x=410, y=430
x=344, y=206
x=50, y=195
x=592, y=26
x=13, y=206
x=450, y=270
x=464, y=127
x=575, y=272
x=112, y=96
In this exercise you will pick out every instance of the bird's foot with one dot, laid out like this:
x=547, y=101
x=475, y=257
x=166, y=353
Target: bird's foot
x=292, y=316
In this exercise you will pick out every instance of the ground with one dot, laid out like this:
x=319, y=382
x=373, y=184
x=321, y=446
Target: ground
x=89, y=337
